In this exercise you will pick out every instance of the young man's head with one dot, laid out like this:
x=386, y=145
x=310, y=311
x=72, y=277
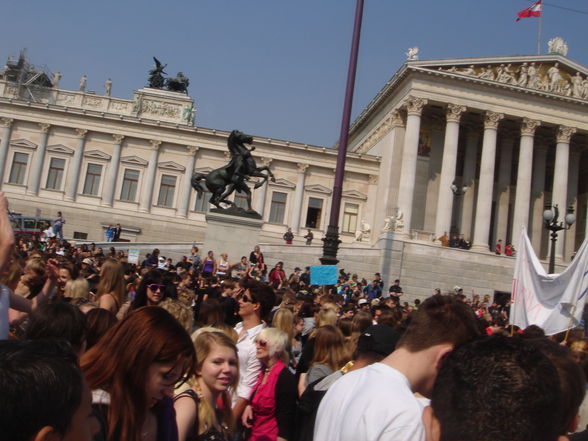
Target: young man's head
x=257, y=299
x=61, y=321
x=44, y=395
x=495, y=389
x=440, y=320
x=572, y=381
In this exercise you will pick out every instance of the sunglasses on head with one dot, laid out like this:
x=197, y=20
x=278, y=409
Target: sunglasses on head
x=156, y=286
x=262, y=343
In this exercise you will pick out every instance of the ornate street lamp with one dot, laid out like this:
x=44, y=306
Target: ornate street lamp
x=553, y=224
x=331, y=240
x=458, y=191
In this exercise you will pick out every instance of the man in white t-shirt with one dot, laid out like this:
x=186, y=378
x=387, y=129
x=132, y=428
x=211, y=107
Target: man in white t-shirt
x=255, y=302
x=377, y=403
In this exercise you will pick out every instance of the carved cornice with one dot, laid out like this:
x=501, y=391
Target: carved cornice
x=6, y=122
x=392, y=120
x=154, y=144
x=454, y=112
x=528, y=126
x=81, y=133
x=44, y=127
x=564, y=133
x=118, y=138
x=415, y=105
x=491, y=120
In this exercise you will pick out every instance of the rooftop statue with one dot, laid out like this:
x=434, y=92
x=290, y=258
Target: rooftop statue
x=156, y=80
x=223, y=181
x=178, y=84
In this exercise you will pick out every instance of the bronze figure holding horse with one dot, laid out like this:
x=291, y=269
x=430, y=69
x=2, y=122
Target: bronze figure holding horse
x=223, y=181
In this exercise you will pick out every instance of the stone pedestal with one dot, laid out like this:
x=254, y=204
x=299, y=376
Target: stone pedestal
x=164, y=105
x=234, y=235
x=390, y=263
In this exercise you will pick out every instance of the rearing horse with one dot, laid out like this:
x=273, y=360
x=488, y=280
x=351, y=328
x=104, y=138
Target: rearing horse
x=223, y=181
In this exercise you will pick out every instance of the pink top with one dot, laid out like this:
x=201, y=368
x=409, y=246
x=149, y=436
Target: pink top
x=265, y=424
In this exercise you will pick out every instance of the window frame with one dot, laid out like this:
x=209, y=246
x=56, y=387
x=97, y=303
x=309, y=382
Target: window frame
x=283, y=204
x=345, y=213
x=100, y=181
x=122, y=185
x=48, y=173
x=26, y=168
x=162, y=185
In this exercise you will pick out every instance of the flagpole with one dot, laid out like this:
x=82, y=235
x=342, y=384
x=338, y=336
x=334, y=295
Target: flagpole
x=539, y=34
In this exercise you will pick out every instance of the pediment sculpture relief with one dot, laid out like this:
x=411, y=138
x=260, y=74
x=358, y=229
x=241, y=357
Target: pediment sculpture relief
x=547, y=78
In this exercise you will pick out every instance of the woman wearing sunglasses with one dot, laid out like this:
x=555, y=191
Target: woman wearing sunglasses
x=151, y=291
x=272, y=406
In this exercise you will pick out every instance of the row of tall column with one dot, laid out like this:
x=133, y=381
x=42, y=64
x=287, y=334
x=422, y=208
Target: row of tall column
x=111, y=177
x=477, y=206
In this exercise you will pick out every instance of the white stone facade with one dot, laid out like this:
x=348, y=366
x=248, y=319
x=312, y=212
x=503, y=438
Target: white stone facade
x=507, y=133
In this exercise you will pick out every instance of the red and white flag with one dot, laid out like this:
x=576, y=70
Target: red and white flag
x=532, y=11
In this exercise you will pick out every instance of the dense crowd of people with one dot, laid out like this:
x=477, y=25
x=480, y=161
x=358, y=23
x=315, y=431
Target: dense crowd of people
x=93, y=347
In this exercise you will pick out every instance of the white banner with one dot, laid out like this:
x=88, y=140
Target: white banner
x=554, y=302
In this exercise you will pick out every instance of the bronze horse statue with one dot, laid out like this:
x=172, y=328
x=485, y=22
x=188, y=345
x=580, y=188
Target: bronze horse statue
x=223, y=181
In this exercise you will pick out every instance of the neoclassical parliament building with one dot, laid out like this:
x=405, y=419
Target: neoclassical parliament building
x=473, y=146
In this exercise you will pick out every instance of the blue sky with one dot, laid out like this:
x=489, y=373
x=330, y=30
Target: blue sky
x=272, y=68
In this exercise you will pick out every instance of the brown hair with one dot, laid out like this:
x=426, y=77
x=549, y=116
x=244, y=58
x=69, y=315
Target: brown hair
x=329, y=347
x=98, y=322
x=439, y=319
x=112, y=280
x=119, y=362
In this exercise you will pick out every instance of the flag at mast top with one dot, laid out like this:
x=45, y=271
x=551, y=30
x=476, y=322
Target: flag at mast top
x=532, y=11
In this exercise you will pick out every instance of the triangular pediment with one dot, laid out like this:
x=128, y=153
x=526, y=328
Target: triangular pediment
x=23, y=143
x=60, y=148
x=284, y=183
x=354, y=194
x=133, y=160
x=97, y=154
x=551, y=74
x=170, y=165
x=203, y=170
x=317, y=188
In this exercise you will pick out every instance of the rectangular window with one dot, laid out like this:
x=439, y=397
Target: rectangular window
x=313, y=214
x=202, y=205
x=129, y=185
x=92, y=183
x=19, y=168
x=350, y=218
x=241, y=200
x=166, y=191
x=55, y=175
x=278, y=207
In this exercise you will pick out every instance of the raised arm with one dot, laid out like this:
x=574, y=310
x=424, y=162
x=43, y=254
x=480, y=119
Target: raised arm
x=6, y=234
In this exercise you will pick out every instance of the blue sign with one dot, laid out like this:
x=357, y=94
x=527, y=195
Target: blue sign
x=323, y=275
